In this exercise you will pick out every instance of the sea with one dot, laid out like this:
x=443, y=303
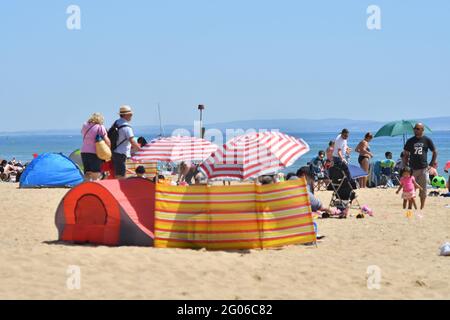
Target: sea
x=23, y=146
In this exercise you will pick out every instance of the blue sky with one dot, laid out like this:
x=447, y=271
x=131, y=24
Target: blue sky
x=253, y=59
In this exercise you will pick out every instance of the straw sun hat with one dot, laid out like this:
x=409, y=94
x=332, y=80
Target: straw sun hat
x=125, y=109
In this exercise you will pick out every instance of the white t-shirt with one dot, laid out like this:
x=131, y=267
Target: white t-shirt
x=340, y=143
x=124, y=138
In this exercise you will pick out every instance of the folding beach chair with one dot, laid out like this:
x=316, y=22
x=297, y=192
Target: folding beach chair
x=389, y=178
x=321, y=179
x=343, y=187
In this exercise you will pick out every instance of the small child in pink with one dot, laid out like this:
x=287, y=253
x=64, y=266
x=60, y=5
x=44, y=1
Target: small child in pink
x=409, y=185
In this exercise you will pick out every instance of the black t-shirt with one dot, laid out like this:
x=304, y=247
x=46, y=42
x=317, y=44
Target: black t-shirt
x=418, y=150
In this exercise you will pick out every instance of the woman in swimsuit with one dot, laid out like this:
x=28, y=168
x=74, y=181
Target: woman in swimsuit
x=364, y=157
x=330, y=150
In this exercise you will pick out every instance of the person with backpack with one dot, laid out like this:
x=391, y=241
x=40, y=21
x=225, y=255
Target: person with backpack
x=122, y=140
x=91, y=162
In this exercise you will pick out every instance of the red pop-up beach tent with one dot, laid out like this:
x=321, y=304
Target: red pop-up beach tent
x=110, y=212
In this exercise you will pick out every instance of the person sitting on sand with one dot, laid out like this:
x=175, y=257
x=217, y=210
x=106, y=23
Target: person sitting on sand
x=388, y=169
x=388, y=162
x=266, y=179
x=142, y=142
x=318, y=164
x=290, y=175
x=316, y=204
x=6, y=169
x=140, y=172
x=319, y=168
x=160, y=179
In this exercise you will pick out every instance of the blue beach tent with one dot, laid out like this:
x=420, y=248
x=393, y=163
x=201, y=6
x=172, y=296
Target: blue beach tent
x=51, y=170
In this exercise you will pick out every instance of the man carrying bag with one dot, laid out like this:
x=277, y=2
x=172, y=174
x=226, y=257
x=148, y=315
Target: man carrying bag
x=122, y=140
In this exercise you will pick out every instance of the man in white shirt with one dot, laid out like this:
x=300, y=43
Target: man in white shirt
x=125, y=142
x=341, y=149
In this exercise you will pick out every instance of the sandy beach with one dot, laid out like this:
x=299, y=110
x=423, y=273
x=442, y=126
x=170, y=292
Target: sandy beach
x=34, y=265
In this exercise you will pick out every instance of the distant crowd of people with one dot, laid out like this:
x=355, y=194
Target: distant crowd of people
x=413, y=168
x=9, y=169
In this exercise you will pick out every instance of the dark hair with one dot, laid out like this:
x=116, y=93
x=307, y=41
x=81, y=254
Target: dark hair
x=321, y=152
x=160, y=177
x=405, y=169
x=140, y=170
x=142, y=141
x=368, y=135
x=402, y=155
x=345, y=131
x=266, y=180
x=388, y=154
x=4, y=163
x=304, y=171
x=330, y=143
x=290, y=175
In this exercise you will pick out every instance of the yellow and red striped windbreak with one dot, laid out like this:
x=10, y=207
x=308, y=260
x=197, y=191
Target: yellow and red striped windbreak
x=233, y=217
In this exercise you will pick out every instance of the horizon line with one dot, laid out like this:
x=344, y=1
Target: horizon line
x=231, y=121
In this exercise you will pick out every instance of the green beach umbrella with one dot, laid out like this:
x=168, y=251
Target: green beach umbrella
x=399, y=128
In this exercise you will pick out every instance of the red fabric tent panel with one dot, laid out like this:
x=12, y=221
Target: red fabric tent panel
x=85, y=210
x=136, y=197
x=93, y=211
x=90, y=211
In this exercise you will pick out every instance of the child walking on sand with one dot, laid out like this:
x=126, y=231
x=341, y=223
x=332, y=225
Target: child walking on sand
x=409, y=185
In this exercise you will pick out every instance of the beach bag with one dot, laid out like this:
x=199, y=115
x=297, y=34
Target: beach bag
x=101, y=149
x=113, y=135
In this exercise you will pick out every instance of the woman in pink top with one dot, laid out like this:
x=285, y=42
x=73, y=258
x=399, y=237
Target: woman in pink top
x=91, y=163
x=409, y=185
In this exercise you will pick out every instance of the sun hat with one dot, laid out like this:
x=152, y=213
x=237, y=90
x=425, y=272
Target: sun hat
x=125, y=109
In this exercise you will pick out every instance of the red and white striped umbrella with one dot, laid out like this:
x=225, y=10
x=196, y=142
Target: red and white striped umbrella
x=253, y=155
x=176, y=149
